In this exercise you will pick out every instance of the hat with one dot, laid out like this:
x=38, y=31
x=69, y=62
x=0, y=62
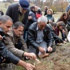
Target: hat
x=24, y=4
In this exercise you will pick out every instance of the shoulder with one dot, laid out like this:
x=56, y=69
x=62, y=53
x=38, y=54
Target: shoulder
x=13, y=5
x=34, y=25
x=48, y=27
x=10, y=33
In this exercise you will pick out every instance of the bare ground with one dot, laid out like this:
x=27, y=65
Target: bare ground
x=59, y=60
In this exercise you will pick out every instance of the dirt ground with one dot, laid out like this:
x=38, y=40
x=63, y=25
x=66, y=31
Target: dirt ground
x=59, y=60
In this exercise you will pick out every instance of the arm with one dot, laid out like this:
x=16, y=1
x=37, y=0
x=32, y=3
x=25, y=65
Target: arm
x=56, y=37
x=33, y=16
x=12, y=48
x=17, y=52
x=24, y=47
x=31, y=38
x=50, y=37
x=10, y=58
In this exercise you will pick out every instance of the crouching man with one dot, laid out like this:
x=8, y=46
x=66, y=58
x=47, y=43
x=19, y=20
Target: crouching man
x=39, y=37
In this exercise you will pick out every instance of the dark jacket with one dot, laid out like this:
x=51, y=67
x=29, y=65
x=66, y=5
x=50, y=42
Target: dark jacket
x=32, y=35
x=13, y=12
x=11, y=41
x=31, y=20
x=5, y=53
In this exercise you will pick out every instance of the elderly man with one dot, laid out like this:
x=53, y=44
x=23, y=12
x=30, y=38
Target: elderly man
x=19, y=12
x=39, y=37
x=5, y=25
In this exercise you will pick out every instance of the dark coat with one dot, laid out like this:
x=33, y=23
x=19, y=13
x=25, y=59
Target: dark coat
x=13, y=12
x=32, y=35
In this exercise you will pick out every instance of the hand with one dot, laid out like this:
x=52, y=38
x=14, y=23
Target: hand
x=42, y=50
x=64, y=42
x=29, y=66
x=64, y=31
x=50, y=49
x=30, y=55
x=1, y=37
x=29, y=17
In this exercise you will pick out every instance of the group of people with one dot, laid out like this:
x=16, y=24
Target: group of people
x=26, y=33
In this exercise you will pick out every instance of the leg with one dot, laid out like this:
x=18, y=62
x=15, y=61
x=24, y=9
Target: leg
x=43, y=45
x=32, y=49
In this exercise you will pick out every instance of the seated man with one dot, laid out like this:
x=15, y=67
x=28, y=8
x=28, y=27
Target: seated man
x=5, y=55
x=39, y=37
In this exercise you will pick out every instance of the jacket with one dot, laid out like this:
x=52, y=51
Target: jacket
x=5, y=53
x=31, y=20
x=10, y=42
x=13, y=12
x=32, y=35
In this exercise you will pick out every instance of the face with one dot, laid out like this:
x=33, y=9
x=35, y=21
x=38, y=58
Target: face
x=23, y=10
x=65, y=17
x=41, y=25
x=19, y=31
x=49, y=12
x=6, y=26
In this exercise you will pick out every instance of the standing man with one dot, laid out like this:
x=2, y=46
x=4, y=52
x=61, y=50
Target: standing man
x=19, y=12
x=39, y=37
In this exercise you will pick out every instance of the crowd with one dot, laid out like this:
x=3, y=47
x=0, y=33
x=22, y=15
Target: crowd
x=26, y=33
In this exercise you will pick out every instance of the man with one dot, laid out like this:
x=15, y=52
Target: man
x=15, y=41
x=19, y=12
x=31, y=19
x=39, y=37
x=5, y=25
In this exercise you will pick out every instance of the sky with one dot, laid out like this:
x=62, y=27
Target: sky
x=0, y=0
